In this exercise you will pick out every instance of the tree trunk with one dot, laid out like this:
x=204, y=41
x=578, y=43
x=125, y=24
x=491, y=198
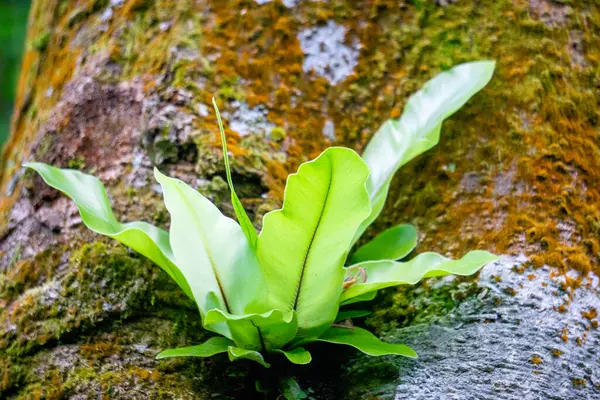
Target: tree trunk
x=117, y=87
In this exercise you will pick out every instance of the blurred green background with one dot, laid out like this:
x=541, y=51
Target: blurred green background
x=13, y=27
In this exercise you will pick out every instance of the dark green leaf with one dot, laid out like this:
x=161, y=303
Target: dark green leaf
x=236, y=352
x=296, y=355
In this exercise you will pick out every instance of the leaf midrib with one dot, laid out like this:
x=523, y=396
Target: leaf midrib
x=309, y=249
x=206, y=248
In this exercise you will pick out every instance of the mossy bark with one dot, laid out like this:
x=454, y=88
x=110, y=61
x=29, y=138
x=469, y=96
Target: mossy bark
x=122, y=86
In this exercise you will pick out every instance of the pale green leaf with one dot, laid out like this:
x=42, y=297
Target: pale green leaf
x=365, y=341
x=212, y=346
x=418, y=128
x=262, y=332
x=237, y=352
x=382, y=274
x=344, y=315
x=91, y=200
x=240, y=212
x=212, y=253
x=302, y=247
x=297, y=355
x=392, y=244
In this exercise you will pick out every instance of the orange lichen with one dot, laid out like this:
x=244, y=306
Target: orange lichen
x=564, y=335
x=536, y=360
x=556, y=352
x=582, y=339
x=591, y=316
x=578, y=382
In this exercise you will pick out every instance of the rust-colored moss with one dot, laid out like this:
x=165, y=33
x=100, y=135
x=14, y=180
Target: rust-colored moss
x=99, y=350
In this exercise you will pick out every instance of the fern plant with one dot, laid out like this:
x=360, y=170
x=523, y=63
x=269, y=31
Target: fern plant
x=277, y=291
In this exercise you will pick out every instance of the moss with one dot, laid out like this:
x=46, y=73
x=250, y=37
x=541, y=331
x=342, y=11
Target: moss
x=395, y=308
x=41, y=42
x=79, y=377
x=101, y=280
x=76, y=163
x=278, y=134
x=52, y=389
x=230, y=89
x=26, y=274
x=164, y=151
x=78, y=15
x=429, y=196
x=217, y=190
x=160, y=217
x=96, y=351
x=133, y=6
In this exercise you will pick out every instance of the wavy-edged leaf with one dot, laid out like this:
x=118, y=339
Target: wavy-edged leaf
x=418, y=128
x=302, y=246
x=297, y=355
x=240, y=212
x=365, y=341
x=237, y=352
x=392, y=244
x=91, y=200
x=212, y=346
x=382, y=274
x=262, y=332
x=344, y=315
x=213, y=253
x=363, y=297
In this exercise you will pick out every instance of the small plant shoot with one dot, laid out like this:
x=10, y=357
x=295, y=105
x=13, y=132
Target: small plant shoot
x=271, y=294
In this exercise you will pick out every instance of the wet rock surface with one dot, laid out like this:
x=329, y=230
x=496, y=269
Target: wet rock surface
x=504, y=337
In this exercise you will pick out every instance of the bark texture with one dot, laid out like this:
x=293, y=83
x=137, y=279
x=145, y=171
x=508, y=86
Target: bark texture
x=117, y=87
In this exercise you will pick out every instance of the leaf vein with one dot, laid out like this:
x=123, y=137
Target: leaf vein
x=309, y=248
x=208, y=252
